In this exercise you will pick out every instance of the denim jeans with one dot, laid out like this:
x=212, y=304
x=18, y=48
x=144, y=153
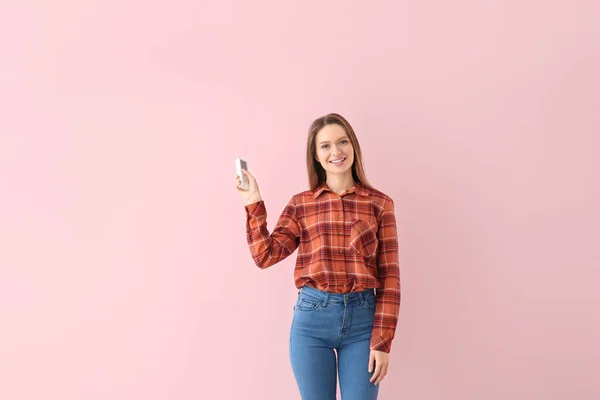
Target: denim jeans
x=324, y=322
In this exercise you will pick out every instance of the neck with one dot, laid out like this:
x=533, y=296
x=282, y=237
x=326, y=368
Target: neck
x=339, y=184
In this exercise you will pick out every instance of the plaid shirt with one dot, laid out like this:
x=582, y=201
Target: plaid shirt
x=347, y=244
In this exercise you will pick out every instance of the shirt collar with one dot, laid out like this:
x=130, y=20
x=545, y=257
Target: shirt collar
x=359, y=188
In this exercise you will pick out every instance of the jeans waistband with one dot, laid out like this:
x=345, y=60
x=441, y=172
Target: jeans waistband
x=341, y=298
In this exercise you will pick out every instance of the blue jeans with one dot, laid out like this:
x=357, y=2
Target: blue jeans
x=326, y=321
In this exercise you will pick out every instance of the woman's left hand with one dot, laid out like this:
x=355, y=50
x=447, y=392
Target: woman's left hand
x=381, y=360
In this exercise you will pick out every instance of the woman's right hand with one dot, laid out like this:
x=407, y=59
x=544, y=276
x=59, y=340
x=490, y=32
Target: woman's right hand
x=252, y=195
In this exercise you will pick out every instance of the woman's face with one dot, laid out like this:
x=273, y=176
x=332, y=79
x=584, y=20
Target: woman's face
x=334, y=150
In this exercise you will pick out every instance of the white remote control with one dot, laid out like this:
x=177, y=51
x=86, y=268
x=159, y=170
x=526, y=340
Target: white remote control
x=239, y=165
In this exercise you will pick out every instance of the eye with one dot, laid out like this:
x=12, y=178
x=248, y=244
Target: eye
x=324, y=146
x=344, y=141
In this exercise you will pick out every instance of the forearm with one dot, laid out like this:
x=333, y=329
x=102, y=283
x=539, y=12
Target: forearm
x=267, y=248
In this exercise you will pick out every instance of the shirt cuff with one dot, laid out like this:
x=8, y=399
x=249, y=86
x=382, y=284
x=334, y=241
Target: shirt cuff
x=381, y=344
x=254, y=209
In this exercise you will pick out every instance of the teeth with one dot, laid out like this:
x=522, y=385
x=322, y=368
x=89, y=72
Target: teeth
x=338, y=161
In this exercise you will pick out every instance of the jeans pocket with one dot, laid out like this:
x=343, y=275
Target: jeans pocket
x=370, y=302
x=307, y=304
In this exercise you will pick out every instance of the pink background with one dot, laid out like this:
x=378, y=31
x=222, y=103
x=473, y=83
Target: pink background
x=124, y=270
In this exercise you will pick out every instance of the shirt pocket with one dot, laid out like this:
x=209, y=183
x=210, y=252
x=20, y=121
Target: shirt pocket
x=363, y=238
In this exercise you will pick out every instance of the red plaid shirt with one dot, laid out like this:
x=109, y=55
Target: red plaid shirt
x=346, y=243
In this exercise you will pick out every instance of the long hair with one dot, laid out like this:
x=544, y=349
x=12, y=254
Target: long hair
x=316, y=173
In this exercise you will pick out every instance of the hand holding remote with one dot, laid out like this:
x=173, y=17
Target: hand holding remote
x=252, y=195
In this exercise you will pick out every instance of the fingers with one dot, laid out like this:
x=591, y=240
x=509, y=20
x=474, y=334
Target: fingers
x=251, y=181
x=248, y=174
x=238, y=183
x=381, y=367
x=376, y=373
x=382, y=374
x=252, y=184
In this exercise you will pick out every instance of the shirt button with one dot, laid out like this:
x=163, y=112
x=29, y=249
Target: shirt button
x=341, y=233
x=342, y=269
x=341, y=216
x=340, y=251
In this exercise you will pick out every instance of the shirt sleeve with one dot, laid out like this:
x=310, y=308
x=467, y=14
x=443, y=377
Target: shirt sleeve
x=387, y=301
x=267, y=248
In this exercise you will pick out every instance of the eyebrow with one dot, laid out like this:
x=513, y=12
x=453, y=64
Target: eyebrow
x=345, y=137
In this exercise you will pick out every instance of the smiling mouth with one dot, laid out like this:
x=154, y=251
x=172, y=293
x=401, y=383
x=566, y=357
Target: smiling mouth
x=339, y=162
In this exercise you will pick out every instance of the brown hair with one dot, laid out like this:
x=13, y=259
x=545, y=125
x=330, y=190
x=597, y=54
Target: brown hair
x=316, y=173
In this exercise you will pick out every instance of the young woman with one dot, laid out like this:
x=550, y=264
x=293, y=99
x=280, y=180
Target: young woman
x=346, y=270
